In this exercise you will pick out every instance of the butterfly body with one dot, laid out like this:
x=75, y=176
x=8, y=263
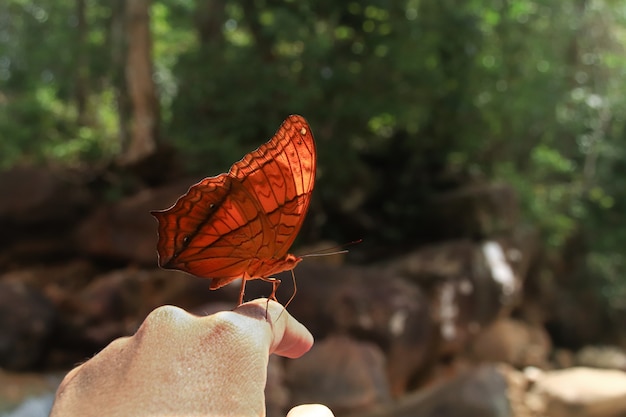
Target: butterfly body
x=241, y=224
x=260, y=268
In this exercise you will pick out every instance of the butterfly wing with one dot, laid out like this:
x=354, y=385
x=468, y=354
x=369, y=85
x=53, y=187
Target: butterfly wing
x=255, y=211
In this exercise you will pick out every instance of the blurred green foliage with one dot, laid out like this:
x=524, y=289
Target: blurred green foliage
x=404, y=98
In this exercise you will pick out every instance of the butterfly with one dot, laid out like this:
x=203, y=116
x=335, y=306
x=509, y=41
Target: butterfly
x=241, y=224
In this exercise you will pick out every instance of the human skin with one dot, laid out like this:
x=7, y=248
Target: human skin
x=179, y=364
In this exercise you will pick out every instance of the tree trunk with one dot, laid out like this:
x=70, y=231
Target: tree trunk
x=141, y=88
x=209, y=18
x=117, y=40
x=82, y=69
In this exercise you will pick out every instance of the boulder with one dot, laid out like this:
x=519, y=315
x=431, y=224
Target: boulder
x=125, y=231
x=477, y=210
x=583, y=392
x=276, y=392
x=606, y=357
x=514, y=342
x=468, y=283
x=341, y=373
x=27, y=394
x=40, y=196
x=477, y=392
x=114, y=304
x=37, y=208
x=27, y=322
x=371, y=304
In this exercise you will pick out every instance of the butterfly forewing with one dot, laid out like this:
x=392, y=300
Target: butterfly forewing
x=281, y=174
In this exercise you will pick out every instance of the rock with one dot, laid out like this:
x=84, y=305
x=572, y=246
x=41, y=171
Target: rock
x=583, y=392
x=114, y=304
x=479, y=392
x=606, y=357
x=563, y=358
x=522, y=402
x=419, y=309
x=341, y=373
x=333, y=299
x=514, y=342
x=276, y=392
x=24, y=394
x=27, y=321
x=571, y=325
x=478, y=211
x=37, y=207
x=71, y=276
x=33, y=407
x=469, y=284
x=36, y=196
x=372, y=304
x=125, y=231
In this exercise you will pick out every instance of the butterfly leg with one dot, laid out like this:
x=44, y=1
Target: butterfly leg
x=275, y=283
x=295, y=288
x=242, y=291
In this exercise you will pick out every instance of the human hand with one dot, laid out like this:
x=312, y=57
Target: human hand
x=178, y=364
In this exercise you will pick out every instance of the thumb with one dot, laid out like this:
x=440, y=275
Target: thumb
x=310, y=410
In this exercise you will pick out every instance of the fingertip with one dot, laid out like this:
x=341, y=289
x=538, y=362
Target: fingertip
x=310, y=410
x=291, y=338
x=296, y=340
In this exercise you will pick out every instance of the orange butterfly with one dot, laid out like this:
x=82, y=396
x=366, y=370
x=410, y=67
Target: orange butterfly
x=241, y=224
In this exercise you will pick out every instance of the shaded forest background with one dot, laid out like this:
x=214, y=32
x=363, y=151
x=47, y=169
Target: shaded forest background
x=406, y=100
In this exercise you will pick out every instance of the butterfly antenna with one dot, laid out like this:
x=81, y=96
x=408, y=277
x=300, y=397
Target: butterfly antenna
x=324, y=252
x=333, y=250
x=315, y=255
